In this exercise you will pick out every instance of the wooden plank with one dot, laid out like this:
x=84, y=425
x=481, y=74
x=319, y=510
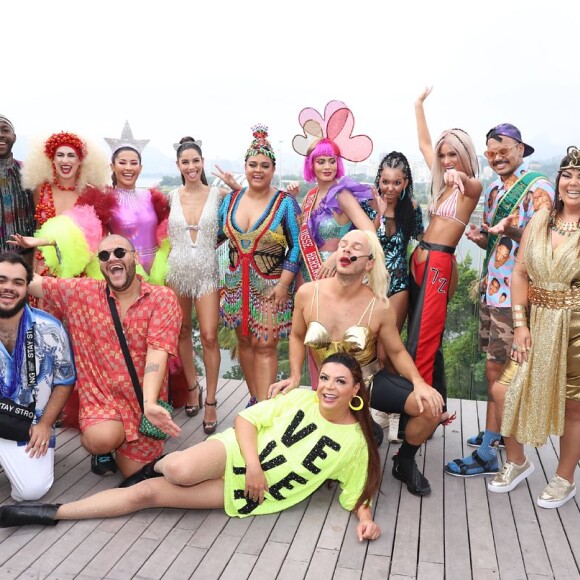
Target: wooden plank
x=376, y=567
x=431, y=541
x=257, y=534
x=457, y=554
x=240, y=566
x=270, y=561
x=431, y=571
x=166, y=552
x=311, y=525
x=185, y=564
x=217, y=557
x=322, y=564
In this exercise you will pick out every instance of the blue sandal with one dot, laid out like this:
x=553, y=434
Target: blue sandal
x=477, y=466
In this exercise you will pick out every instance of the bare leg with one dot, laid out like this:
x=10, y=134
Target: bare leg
x=514, y=449
x=570, y=441
x=420, y=426
x=493, y=372
x=199, y=469
x=265, y=364
x=207, y=308
x=185, y=348
x=147, y=494
x=103, y=437
x=246, y=354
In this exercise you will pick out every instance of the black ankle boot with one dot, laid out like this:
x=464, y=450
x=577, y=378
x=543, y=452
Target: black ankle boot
x=28, y=515
x=146, y=472
x=406, y=470
x=378, y=433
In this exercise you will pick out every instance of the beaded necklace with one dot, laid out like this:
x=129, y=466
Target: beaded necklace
x=564, y=228
x=45, y=206
x=18, y=355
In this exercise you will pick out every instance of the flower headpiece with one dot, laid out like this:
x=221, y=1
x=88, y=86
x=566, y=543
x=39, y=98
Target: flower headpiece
x=573, y=155
x=126, y=140
x=64, y=139
x=336, y=125
x=260, y=144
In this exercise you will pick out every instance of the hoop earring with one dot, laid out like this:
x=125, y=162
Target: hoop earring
x=403, y=194
x=362, y=403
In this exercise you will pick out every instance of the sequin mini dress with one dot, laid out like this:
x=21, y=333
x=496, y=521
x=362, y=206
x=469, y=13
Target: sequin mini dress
x=193, y=266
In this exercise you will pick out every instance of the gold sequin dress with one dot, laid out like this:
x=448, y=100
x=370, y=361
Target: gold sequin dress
x=536, y=398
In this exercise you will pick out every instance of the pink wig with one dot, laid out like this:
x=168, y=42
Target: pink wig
x=327, y=148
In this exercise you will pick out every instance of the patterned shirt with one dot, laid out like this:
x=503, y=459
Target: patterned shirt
x=104, y=385
x=502, y=260
x=53, y=358
x=16, y=204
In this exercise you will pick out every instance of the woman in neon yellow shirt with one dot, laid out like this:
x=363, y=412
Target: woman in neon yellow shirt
x=279, y=452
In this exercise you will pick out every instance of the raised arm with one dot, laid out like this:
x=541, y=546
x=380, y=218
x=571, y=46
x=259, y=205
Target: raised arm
x=355, y=213
x=423, y=134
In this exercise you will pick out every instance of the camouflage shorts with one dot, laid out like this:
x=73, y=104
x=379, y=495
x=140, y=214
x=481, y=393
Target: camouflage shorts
x=496, y=334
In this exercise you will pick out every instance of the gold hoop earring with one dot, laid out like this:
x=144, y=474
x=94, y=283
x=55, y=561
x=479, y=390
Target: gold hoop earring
x=362, y=403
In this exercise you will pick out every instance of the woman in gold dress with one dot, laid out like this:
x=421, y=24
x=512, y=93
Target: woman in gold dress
x=543, y=397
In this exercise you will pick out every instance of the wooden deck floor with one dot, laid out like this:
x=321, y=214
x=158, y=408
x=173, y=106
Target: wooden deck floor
x=459, y=532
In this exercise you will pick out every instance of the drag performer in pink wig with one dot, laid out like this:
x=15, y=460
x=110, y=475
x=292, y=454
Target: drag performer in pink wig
x=332, y=208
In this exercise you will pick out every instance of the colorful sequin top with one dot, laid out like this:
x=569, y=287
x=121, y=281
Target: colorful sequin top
x=395, y=247
x=299, y=450
x=256, y=260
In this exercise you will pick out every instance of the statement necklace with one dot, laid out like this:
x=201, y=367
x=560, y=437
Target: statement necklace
x=564, y=228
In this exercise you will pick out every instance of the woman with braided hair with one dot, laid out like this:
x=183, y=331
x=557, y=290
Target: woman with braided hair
x=397, y=218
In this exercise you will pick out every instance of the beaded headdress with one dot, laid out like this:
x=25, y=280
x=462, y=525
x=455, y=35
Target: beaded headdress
x=260, y=143
x=336, y=125
x=126, y=140
x=573, y=155
x=64, y=139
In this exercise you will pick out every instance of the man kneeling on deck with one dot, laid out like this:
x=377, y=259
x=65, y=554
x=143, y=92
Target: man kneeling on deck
x=36, y=376
x=149, y=319
x=349, y=313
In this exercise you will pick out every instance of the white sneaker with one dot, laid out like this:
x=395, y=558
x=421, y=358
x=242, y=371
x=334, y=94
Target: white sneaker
x=381, y=418
x=556, y=493
x=393, y=434
x=509, y=476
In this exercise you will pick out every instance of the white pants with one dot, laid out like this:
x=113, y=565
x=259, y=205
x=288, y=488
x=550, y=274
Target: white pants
x=30, y=477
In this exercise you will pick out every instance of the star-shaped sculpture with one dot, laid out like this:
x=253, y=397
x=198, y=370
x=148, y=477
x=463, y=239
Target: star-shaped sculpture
x=126, y=140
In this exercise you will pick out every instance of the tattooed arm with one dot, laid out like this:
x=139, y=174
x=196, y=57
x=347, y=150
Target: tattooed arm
x=155, y=368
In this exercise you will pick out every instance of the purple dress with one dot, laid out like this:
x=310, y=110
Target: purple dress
x=135, y=218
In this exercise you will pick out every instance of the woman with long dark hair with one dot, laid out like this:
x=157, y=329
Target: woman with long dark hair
x=279, y=452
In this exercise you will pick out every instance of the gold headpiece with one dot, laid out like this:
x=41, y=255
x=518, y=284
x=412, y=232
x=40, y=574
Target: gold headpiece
x=573, y=155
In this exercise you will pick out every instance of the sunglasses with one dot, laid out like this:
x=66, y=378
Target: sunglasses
x=503, y=152
x=104, y=255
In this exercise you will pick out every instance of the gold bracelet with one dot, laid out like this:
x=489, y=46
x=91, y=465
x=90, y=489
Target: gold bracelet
x=284, y=286
x=519, y=308
x=518, y=323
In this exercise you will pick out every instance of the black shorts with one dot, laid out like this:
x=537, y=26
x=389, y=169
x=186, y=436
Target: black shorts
x=389, y=392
